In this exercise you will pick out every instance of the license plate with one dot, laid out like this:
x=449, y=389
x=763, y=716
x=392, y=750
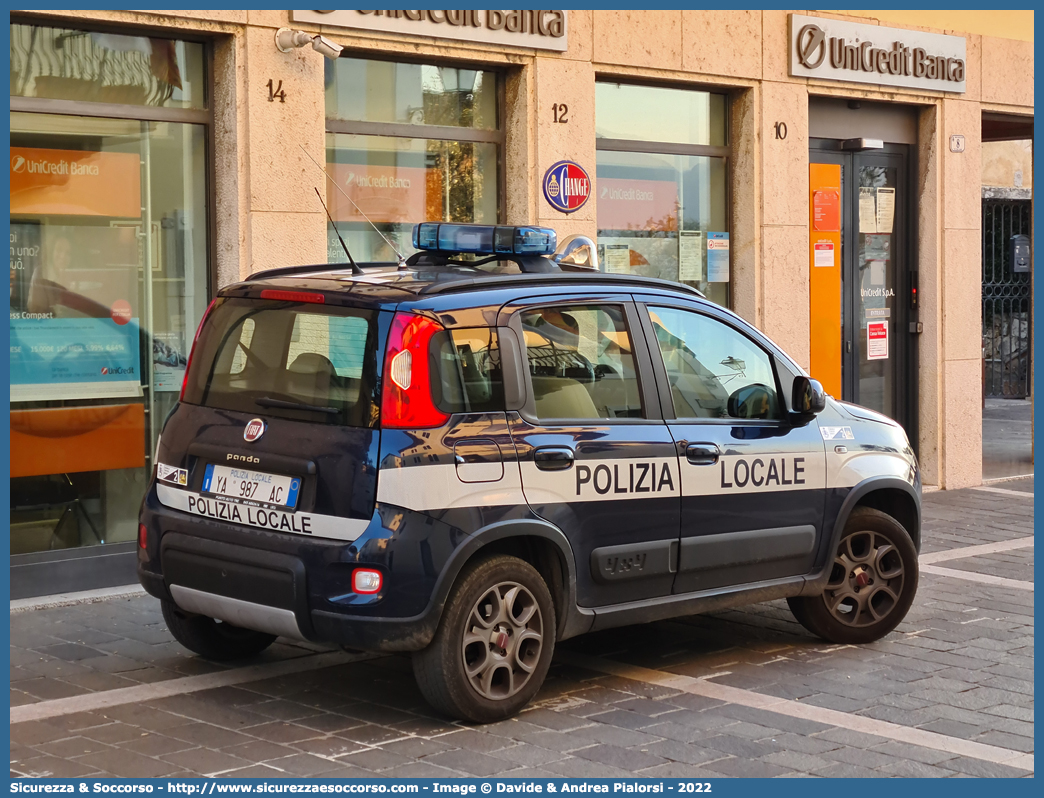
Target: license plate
x=246, y=485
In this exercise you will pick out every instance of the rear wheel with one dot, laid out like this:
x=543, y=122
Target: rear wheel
x=494, y=643
x=872, y=582
x=213, y=639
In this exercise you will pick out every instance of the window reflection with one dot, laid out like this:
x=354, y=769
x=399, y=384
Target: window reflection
x=89, y=66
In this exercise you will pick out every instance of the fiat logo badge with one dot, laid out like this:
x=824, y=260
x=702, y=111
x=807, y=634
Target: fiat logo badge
x=255, y=428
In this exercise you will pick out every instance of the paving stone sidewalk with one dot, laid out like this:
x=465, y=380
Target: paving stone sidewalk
x=960, y=665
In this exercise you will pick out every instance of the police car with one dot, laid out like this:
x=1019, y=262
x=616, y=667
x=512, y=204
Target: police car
x=490, y=448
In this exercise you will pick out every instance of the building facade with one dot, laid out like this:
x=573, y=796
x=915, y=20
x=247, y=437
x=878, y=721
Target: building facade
x=820, y=174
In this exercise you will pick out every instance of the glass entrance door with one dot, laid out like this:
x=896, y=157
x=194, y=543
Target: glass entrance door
x=875, y=279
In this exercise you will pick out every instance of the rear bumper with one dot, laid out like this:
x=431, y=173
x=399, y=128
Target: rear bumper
x=271, y=582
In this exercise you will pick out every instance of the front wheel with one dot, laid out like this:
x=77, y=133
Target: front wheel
x=213, y=639
x=494, y=643
x=872, y=582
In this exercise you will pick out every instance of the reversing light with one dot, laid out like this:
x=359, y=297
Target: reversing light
x=402, y=369
x=192, y=351
x=366, y=581
x=484, y=239
x=406, y=400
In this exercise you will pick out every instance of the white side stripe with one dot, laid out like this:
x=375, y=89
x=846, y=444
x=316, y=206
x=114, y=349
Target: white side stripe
x=437, y=487
x=304, y=524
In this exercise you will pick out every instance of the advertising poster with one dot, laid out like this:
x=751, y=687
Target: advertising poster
x=717, y=257
x=74, y=312
x=168, y=360
x=877, y=340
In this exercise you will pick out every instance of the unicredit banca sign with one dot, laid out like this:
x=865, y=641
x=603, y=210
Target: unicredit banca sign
x=541, y=30
x=831, y=49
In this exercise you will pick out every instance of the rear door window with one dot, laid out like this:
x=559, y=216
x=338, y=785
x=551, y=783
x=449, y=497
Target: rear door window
x=470, y=379
x=293, y=360
x=581, y=362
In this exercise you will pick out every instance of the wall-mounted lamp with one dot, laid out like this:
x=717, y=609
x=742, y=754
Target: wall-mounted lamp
x=288, y=40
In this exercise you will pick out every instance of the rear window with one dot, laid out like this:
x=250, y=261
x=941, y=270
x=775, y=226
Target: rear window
x=470, y=379
x=293, y=360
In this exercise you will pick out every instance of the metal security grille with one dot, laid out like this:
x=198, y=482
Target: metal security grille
x=1006, y=300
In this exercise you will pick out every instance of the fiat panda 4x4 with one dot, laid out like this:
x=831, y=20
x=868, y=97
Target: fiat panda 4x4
x=488, y=449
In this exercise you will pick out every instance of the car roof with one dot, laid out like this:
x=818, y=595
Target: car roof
x=384, y=284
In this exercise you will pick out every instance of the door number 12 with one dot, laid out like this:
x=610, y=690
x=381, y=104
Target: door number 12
x=560, y=110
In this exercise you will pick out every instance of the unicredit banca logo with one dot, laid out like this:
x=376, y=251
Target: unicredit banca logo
x=18, y=164
x=116, y=371
x=811, y=46
x=255, y=428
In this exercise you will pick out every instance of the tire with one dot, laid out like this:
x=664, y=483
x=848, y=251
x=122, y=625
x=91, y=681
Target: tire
x=494, y=643
x=876, y=548
x=213, y=639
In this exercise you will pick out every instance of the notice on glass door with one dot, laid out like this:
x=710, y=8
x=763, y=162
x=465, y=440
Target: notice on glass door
x=867, y=210
x=885, y=209
x=877, y=340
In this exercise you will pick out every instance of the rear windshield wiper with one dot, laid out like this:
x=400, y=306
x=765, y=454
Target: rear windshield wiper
x=268, y=401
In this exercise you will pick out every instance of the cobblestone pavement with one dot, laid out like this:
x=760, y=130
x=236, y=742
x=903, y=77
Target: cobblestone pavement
x=102, y=689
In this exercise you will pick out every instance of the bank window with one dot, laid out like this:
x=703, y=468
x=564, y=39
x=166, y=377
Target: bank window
x=109, y=271
x=662, y=177
x=408, y=143
x=581, y=362
x=714, y=370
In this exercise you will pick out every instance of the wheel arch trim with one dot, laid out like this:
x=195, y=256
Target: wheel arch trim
x=815, y=583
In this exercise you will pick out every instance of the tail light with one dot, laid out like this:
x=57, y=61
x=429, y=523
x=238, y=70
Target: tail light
x=192, y=351
x=406, y=401
x=143, y=536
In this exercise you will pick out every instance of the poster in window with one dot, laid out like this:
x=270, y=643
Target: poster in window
x=690, y=256
x=717, y=257
x=617, y=258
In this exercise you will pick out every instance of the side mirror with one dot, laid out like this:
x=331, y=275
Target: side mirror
x=577, y=254
x=809, y=398
x=751, y=401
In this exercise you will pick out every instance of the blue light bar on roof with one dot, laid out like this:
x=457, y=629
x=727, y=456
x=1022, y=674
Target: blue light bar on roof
x=484, y=239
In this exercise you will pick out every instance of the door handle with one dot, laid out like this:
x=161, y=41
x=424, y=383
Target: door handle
x=553, y=458
x=702, y=453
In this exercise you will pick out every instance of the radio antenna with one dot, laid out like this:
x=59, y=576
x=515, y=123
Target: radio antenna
x=355, y=267
x=402, y=260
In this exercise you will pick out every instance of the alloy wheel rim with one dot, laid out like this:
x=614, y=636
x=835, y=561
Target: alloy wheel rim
x=866, y=580
x=503, y=638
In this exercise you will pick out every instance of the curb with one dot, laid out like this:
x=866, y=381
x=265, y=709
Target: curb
x=71, y=599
